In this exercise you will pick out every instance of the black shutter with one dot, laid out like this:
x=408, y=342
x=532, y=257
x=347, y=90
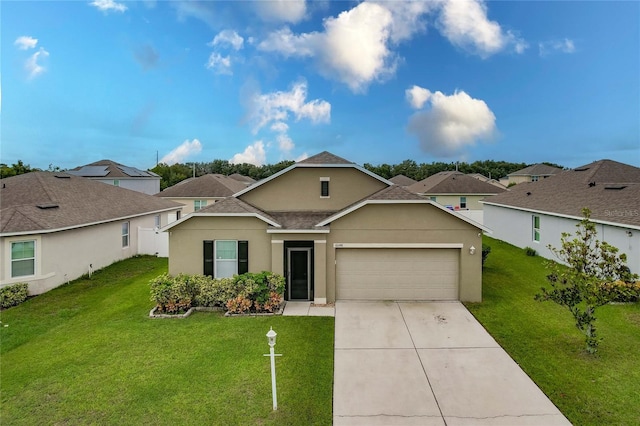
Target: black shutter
x=208, y=258
x=243, y=257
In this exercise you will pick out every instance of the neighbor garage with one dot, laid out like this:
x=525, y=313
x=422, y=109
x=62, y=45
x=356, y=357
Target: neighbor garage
x=397, y=274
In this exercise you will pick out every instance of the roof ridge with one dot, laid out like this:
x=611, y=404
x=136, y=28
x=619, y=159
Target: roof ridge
x=43, y=186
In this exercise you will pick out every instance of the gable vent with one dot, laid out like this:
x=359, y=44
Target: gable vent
x=47, y=206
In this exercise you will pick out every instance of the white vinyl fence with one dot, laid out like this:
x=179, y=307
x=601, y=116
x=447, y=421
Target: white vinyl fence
x=152, y=242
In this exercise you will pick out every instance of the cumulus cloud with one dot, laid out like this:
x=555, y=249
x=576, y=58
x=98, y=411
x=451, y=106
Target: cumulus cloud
x=556, y=46
x=253, y=154
x=182, y=151
x=292, y=11
x=466, y=25
x=417, y=96
x=228, y=38
x=25, y=42
x=219, y=64
x=451, y=123
x=108, y=5
x=33, y=66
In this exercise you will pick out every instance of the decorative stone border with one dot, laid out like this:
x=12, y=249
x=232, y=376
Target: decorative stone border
x=152, y=313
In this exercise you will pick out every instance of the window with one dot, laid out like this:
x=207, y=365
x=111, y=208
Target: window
x=225, y=258
x=157, y=221
x=463, y=202
x=116, y=182
x=535, y=178
x=23, y=258
x=199, y=204
x=125, y=235
x=324, y=187
x=432, y=198
x=536, y=228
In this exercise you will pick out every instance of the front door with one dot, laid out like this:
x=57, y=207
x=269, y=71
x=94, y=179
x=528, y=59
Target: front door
x=299, y=278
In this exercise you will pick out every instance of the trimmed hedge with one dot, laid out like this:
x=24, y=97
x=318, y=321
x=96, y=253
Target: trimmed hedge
x=13, y=295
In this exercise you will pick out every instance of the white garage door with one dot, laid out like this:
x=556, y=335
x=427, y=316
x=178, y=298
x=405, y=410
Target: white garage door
x=397, y=274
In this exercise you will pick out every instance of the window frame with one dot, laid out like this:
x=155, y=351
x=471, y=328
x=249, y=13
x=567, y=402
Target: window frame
x=535, y=178
x=198, y=205
x=157, y=221
x=325, y=187
x=241, y=260
x=433, y=198
x=116, y=182
x=535, y=230
x=32, y=259
x=463, y=204
x=126, y=235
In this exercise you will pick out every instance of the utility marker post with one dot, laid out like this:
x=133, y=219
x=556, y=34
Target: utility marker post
x=271, y=335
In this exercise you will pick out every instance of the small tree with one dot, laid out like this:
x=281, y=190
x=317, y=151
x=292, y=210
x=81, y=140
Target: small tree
x=579, y=286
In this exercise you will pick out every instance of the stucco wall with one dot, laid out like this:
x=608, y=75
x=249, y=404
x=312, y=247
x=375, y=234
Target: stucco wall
x=515, y=227
x=188, y=202
x=473, y=201
x=149, y=186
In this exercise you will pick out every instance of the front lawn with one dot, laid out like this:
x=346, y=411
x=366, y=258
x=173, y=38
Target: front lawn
x=542, y=338
x=87, y=353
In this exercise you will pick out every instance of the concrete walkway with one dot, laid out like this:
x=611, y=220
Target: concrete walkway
x=427, y=363
x=307, y=309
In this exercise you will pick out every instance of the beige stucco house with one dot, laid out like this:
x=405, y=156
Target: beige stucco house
x=532, y=173
x=56, y=227
x=336, y=231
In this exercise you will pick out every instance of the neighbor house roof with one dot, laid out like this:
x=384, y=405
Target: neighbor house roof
x=402, y=180
x=242, y=178
x=453, y=182
x=611, y=190
x=107, y=169
x=206, y=186
x=536, y=170
x=483, y=178
x=325, y=157
x=40, y=202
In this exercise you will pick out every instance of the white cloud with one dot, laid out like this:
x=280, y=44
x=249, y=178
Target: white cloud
x=279, y=126
x=219, y=64
x=253, y=154
x=417, y=96
x=26, y=42
x=292, y=11
x=556, y=46
x=408, y=17
x=32, y=65
x=285, y=144
x=452, y=123
x=466, y=25
x=107, y=5
x=182, y=151
x=228, y=38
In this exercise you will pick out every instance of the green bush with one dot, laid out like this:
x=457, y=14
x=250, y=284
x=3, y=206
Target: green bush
x=620, y=291
x=173, y=295
x=530, y=252
x=485, y=252
x=13, y=295
x=215, y=292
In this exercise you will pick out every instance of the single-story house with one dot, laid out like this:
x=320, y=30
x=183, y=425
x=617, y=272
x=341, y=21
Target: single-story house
x=402, y=180
x=116, y=174
x=197, y=193
x=535, y=214
x=55, y=227
x=457, y=191
x=335, y=231
x=532, y=173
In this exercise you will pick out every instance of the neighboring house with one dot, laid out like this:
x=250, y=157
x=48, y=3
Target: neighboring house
x=532, y=173
x=335, y=231
x=457, y=191
x=55, y=227
x=242, y=178
x=198, y=193
x=402, y=180
x=483, y=178
x=116, y=174
x=535, y=214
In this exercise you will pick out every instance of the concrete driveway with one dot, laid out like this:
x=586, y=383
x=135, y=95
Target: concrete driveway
x=428, y=363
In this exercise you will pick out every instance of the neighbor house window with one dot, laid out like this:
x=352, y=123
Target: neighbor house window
x=432, y=198
x=125, y=235
x=463, y=202
x=535, y=178
x=324, y=187
x=199, y=204
x=157, y=221
x=23, y=258
x=536, y=228
x=225, y=258
x=116, y=182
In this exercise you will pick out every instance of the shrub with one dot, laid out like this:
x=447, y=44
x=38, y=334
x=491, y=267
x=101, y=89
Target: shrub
x=239, y=305
x=13, y=295
x=173, y=295
x=530, y=252
x=215, y=292
x=485, y=252
x=620, y=291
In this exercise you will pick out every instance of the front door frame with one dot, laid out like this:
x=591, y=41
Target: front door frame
x=309, y=252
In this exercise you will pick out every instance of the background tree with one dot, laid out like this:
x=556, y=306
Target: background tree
x=581, y=285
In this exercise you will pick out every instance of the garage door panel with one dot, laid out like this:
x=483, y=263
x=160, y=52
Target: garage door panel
x=397, y=274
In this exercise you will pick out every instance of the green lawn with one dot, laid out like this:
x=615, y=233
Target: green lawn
x=87, y=353
x=542, y=338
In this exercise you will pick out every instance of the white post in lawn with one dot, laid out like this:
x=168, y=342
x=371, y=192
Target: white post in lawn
x=271, y=335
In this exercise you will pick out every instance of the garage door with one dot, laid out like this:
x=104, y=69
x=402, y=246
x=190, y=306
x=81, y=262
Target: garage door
x=397, y=274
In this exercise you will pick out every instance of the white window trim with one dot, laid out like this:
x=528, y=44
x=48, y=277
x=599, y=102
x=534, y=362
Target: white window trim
x=6, y=277
x=200, y=205
x=465, y=202
x=535, y=230
x=325, y=179
x=215, y=257
x=35, y=262
x=128, y=234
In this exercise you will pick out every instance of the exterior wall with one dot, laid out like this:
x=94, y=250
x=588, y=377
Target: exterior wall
x=66, y=255
x=519, y=179
x=145, y=185
x=187, y=202
x=515, y=227
x=409, y=223
x=346, y=186
x=473, y=200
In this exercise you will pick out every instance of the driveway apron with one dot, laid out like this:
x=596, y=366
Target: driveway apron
x=428, y=363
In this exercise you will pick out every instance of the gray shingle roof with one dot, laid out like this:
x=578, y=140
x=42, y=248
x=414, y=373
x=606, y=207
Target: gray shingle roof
x=536, y=170
x=402, y=180
x=111, y=170
x=211, y=185
x=452, y=182
x=45, y=201
x=325, y=157
x=611, y=190
x=300, y=220
x=232, y=205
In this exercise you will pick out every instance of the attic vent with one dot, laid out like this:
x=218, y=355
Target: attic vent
x=47, y=206
x=528, y=193
x=581, y=169
x=63, y=176
x=615, y=187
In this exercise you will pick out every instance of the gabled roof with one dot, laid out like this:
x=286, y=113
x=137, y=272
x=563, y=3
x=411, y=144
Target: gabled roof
x=453, y=182
x=611, y=190
x=108, y=169
x=402, y=180
x=206, y=186
x=536, y=170
x=483, y=178
x=242, y=178
x=325, y=157
x=40, y=202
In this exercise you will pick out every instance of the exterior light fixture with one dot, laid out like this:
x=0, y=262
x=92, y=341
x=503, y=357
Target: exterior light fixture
x=271, y=336
x=472, y=250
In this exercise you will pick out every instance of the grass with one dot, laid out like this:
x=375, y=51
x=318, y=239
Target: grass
x=87, y=353
x=542, y=338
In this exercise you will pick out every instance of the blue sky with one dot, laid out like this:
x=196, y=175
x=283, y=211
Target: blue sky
x=264, y=81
